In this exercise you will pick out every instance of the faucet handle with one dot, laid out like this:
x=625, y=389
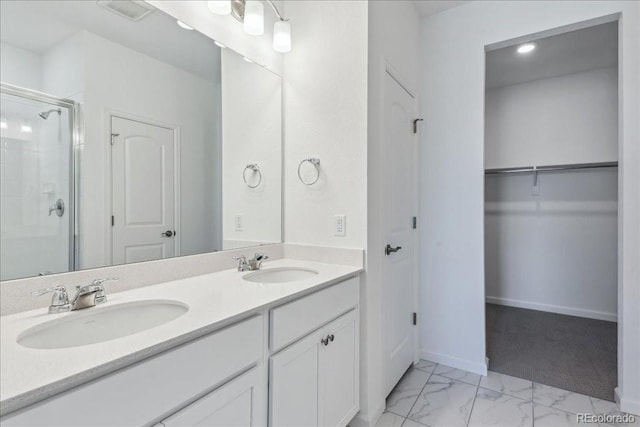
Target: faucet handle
x=60, y=299
x=98, y=282
x=260, y=257
x=55, y=288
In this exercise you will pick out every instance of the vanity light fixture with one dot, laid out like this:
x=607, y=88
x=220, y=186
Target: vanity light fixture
x=251, y=14
x=526, y=48
x=183, y=25
x=222, y=7
x=253, y=18
x=26, y=128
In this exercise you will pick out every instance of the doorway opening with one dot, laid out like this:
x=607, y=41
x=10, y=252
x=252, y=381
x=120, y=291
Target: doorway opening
x=551, y=210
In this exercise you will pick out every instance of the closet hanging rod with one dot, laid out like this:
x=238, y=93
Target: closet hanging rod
x=574, y=166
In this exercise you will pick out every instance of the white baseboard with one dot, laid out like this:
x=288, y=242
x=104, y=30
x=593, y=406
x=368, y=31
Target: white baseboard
x=368, y=420
x=570, y=311
x=626, y=405
x=455, y=362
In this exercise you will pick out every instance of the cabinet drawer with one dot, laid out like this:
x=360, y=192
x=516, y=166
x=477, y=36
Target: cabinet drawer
x=297, y=318
x=155, y=387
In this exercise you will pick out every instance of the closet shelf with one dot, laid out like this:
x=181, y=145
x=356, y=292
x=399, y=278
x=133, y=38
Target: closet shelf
x=524, y=169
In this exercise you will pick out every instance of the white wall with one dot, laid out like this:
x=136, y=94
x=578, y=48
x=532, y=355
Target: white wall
x=20, y=67
x=452, y=176
x=556, y=251
x=555, y=121
x=393, y=37
x=251, y=134
x=121, y=80
x=325, y=116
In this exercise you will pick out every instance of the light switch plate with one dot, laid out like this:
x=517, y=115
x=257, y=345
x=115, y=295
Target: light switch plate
x=340, y=225
x=238, y=223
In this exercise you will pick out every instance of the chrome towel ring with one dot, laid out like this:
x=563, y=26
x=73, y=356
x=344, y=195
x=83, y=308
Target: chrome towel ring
x=256, y=169
x=316, y=163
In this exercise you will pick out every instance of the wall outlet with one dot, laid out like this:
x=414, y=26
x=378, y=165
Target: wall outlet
x=239, y=223
x=340, y=225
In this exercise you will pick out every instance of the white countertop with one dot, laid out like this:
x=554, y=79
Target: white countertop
x=215, y=300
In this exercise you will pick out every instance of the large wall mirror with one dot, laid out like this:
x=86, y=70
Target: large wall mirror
x=127, y=137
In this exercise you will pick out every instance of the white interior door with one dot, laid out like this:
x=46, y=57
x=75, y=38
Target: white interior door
x=143, y=191
x=399, y=209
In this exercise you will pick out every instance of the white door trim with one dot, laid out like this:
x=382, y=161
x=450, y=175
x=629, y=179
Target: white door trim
x=108, y=200
x=388, y=68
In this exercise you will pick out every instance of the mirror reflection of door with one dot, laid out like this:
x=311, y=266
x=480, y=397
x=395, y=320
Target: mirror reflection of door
x=143, y=192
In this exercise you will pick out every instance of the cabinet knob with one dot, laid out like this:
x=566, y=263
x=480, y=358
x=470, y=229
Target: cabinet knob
x=331, y=337
x=325, y=341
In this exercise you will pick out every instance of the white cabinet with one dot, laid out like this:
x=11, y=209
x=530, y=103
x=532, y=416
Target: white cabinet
x=314, y=382
x=235, y=404
x=220, y=379
x=154, y=388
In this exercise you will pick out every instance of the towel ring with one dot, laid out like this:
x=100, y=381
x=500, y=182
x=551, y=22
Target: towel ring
x=255, y=168
x=316, y=163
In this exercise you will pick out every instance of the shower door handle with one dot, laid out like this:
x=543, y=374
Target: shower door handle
x=57, y=207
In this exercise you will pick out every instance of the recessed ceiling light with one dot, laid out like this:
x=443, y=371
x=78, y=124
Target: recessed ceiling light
x=219, y=44
x=183, y=25
x=526, y=48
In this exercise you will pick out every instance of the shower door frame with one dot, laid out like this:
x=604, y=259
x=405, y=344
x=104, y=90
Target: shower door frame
x=74, y=132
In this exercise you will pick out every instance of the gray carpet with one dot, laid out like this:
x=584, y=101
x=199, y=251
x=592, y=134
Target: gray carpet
x=572, y=353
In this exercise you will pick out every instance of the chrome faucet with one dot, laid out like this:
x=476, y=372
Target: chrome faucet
x=86, y=296
x=252, y=264
x=90, y=295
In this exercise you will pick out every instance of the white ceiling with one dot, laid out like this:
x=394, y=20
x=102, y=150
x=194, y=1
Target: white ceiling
x=567, y=53
x=431, y=7
x=38, y=25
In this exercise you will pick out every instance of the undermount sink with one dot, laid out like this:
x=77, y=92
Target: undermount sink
x=280, y=275
x=101, y=324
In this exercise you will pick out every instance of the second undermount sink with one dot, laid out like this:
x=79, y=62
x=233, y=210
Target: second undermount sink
x=96, y=325
x=280, y=275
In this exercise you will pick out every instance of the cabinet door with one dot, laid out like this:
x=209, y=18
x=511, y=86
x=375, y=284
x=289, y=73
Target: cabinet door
x=293, y=384
x=338, y=388
x=237, y=403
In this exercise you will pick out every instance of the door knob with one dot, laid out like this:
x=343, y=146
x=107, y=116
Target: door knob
x=389, y=250
x=168, y=233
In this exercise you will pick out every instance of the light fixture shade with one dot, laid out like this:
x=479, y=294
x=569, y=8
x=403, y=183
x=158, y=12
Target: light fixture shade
x=220, y=7
x=254, y=18
x=282, y=37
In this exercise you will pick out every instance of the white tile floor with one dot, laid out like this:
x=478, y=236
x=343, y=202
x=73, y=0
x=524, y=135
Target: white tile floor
x=436, y=395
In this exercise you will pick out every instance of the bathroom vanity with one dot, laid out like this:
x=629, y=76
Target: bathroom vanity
x=245, y=352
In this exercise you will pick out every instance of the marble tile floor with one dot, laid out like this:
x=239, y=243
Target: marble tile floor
x=435, y=395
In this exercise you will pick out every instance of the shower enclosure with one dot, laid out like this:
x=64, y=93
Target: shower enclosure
x=37, y=207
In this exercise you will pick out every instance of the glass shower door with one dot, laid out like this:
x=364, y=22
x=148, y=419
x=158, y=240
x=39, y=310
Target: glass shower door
x=36, y=197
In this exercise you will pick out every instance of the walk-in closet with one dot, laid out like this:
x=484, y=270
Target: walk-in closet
x=551, y=209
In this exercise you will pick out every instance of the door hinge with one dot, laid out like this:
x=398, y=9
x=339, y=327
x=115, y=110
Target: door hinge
x=113, y=136
x=415, y=222
x=113, y=220
x=415, y=318
x=415, y=125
